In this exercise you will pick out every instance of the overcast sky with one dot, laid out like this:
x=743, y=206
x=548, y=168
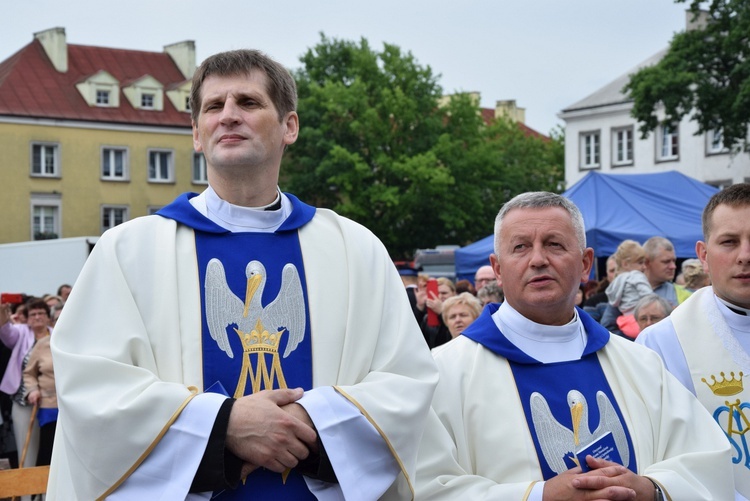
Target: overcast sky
x=545, y=54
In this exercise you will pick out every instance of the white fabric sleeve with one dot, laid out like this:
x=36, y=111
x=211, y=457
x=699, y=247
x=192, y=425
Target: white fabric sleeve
x=362, y=460
x=537, y=492
x=169, y=469
x=662, y=338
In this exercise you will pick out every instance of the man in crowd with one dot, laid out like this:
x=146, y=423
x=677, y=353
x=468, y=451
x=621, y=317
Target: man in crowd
x=705, y=342
x=538, y=401
x=483, y=276
x=185, y=347
x=660, y=270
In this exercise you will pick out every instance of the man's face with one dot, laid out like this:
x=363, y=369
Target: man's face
x=661, y=269
x=238, y=125
x=726, y=254
x=483, y=276
x=541, y=264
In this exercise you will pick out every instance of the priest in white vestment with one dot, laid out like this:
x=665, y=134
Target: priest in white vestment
x=537, y=401
x=705, y=342
x=240, y=344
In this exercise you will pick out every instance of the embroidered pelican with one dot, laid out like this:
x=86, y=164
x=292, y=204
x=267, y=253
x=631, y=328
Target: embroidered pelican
x=557, y=441
x=259, y=328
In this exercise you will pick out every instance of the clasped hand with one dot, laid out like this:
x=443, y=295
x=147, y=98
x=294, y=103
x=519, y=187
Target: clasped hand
x=270, y=430
x=606, y=481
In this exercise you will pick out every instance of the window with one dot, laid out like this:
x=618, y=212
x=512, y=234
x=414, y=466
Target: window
x=622, y=146
x=115, y=164
x=715, y=142
x=187, y=103
x=147, y=100
x=102, y=97
x=199, y=168
x=45, y=160
x=668, y=143
x=590, y=150
x=160, y=166
x=45, y=216
x=112, y=216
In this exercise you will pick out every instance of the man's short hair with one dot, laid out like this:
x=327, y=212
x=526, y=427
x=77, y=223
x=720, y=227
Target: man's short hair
x=281, y=86
x=541, y=200
x=653, y=245
x=737, y=195
x=491, y=291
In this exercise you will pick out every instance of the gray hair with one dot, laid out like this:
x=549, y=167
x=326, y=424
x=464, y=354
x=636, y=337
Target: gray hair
x=541, y=200
x=649, y=299
x=653, y=245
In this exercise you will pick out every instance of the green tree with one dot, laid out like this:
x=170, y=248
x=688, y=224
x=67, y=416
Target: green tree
x=376, y=146
x=705, y=72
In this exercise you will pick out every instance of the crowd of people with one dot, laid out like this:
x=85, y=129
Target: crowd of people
x=454, y=306
x=28, y=399
x=639, y=289
x=269, y=348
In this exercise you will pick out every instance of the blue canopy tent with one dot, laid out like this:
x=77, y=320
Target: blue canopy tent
x=620, y=206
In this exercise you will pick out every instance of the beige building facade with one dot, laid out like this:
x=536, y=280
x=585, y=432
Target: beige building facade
x=91, y=137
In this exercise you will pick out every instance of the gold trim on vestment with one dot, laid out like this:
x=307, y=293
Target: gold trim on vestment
x=193, y=392
x=388, y=442
x=528, y=491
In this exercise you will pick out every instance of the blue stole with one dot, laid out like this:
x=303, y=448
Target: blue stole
x=555, y=383
x=257, y=349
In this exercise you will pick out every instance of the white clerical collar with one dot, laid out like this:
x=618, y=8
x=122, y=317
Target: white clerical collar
x=546, y=343
x=733, y=315
x=738, y=310
x=240, y=219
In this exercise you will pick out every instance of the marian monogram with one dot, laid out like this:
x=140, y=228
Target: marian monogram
x=731, y=416
x=260, y=328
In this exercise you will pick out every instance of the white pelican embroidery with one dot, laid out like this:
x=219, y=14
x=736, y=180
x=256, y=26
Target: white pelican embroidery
x=259, y=328
x=557, y=441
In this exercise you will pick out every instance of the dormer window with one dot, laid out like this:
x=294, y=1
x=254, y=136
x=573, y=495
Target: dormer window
x=100, y=89
x=179, y=95
x=145, y=93
x=102, y=97
x=147, y=101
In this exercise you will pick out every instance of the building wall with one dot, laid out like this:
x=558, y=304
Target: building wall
x=81, y=189
x=694, y=159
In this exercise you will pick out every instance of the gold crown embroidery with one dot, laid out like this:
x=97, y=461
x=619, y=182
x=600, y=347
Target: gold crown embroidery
x=260, y=342
x=725, y=387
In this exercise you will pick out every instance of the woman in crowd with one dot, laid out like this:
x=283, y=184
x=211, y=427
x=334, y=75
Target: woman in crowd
x=460, y=311
x=20, y=339
x=650, y=309
x=694, y=275
x=39, y=386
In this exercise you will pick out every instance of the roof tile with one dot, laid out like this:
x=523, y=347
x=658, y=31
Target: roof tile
x=31, y=87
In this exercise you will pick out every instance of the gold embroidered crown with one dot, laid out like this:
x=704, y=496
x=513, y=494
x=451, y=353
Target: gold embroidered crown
x=260, y=340
x=725, y=387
